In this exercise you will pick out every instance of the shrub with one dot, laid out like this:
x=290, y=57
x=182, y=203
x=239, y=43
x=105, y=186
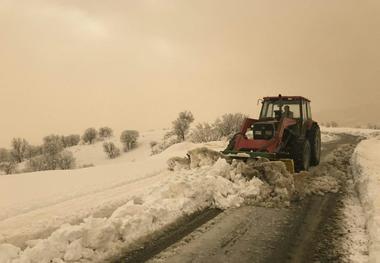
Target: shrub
x=63, y=161
x=38, y=163
x=52, y=145
x=153, y=144
x=105, y=132
x=111, y=150
x=204, y=133
x=9, y=167
x=229, y=124
x=70, y=140
x=373, y=126
x=181, y=125
x=5, y=155
x=332, y=124
x=32, y=151
x=66, y=160
x=19, y=149
x=129, y=139
x=162, y=146
x=89, y=135
x=53, y=156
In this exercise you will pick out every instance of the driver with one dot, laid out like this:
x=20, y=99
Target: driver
x=287, y=113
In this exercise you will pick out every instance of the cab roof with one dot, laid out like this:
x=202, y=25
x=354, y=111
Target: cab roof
x=286, y=98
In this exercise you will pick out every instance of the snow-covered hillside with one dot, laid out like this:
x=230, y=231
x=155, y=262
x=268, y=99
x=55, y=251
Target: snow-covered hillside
x=94, y=154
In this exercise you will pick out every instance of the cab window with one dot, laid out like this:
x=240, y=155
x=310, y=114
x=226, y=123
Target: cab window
x=269, y=108
x=309, y=111
x=304, y=110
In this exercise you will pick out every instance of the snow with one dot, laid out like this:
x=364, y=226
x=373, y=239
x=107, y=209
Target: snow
x=44, y=205
x=366, y=165
x=328, y=137
x=353, y=131
x=176, y=194
x=94, y=153
x=94, y=213
x=354, y=225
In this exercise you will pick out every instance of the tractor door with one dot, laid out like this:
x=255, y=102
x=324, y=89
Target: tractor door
x=306, y=119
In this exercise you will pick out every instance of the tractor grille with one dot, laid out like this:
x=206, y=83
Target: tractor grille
x=263, y=131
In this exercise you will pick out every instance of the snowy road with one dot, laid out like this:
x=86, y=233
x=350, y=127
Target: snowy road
x=307, y=231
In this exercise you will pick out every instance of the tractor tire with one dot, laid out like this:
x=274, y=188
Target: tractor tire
x=314, y=137
x=301, y=154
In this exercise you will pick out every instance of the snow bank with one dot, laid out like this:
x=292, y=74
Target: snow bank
x=355, y=242
x=366, y=165
x=326, y=177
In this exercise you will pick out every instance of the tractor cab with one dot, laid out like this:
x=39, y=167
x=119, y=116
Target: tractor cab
x=284, y=130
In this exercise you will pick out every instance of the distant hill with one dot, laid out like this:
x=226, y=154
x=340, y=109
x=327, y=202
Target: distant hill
x=351, y=117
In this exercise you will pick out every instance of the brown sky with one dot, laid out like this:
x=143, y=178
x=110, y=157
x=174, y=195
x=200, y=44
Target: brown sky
x=67, y=65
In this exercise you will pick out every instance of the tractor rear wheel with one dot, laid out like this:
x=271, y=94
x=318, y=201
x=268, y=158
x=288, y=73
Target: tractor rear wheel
x=315, y=144
x=301, y=155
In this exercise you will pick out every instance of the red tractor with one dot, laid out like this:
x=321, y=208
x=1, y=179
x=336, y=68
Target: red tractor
x=285, y=131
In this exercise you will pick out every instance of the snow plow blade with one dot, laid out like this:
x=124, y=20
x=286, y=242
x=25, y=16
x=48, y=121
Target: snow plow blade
x=289, y=163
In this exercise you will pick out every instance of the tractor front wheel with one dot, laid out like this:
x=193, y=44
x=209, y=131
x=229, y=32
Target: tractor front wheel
x=301, y=155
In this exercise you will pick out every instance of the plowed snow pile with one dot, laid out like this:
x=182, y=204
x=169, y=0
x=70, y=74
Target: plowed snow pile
x=328, y=176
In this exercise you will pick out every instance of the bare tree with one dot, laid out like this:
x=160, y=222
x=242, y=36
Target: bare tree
x=181, y=125
x=32, y=151
x=70, y=140
x=105, y=132
x=19, y=149
x=204, y=132
x=89, y=135
x=229, y=124
x=129, y=139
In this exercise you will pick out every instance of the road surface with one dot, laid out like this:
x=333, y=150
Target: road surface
x=307, y=231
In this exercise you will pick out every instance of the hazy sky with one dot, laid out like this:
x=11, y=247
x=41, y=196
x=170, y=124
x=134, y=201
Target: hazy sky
x=67, y=65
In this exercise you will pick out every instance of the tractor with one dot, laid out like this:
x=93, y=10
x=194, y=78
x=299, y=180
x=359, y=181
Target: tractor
x=285, y=131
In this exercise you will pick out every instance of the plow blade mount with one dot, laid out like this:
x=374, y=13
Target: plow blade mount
x=289, y=163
